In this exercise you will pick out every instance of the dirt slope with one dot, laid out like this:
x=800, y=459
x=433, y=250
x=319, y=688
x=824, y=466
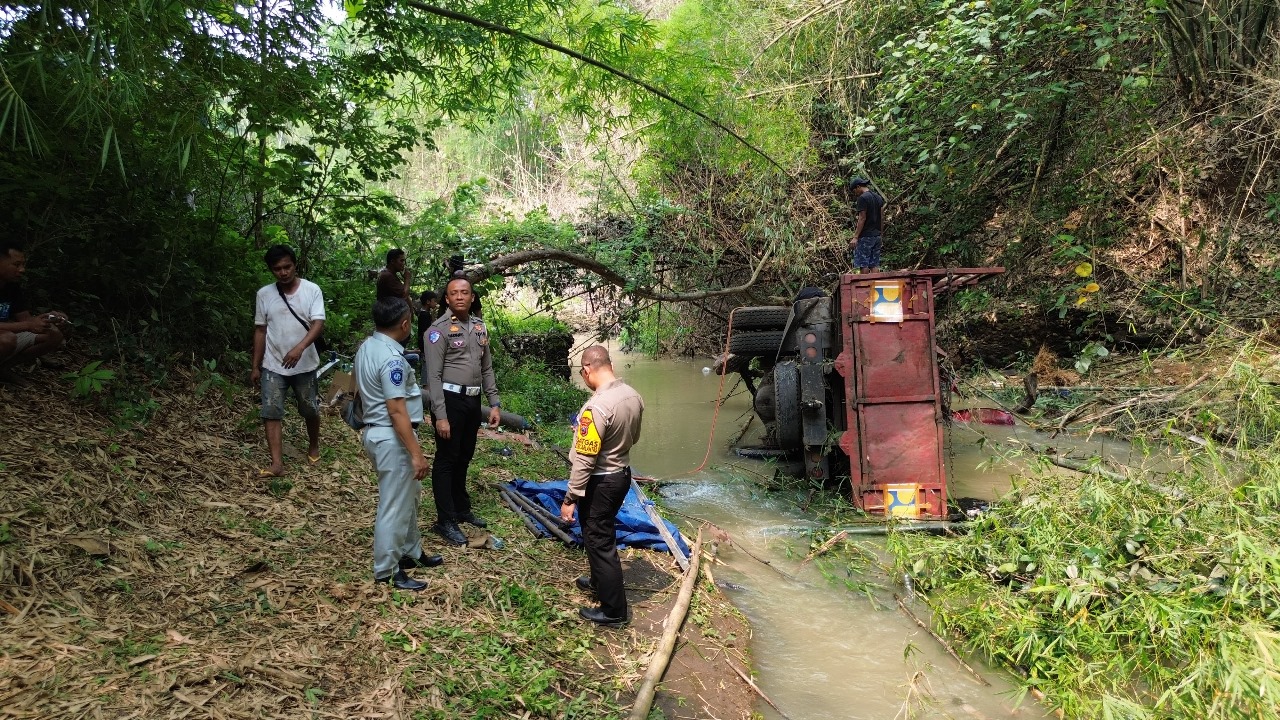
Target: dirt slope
x=147, y=572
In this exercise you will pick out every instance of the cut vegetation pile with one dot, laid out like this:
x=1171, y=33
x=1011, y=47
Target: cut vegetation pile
x=1142, y=595
x=149, y=572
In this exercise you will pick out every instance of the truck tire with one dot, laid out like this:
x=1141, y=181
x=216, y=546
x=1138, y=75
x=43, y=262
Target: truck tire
x=767, y=317
x=759, y=343
x=786, y=403
x=763, y=401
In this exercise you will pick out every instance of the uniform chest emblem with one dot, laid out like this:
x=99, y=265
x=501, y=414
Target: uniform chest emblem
x=458, y=343
x=586, y=441
x=433, y=337
x=454, y=328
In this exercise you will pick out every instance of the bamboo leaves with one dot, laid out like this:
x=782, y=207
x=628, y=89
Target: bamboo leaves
x=1120, y=602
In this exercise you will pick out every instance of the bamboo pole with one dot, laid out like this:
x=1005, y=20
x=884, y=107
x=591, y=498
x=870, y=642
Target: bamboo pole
x=751, y=683
x=825, y=547
x=657, y=521
x=941, y=641
x=675, y=619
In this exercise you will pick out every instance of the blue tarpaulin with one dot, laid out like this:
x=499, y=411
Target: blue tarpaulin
x=634, y=527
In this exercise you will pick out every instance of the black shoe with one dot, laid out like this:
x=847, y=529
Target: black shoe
x=402, y=581
x=473, y=519
x=598, y=616
x=451, y=532
x=585, y=584
x=424, y=560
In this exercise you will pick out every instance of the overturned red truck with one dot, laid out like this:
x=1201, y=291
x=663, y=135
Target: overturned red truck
x=851, y=384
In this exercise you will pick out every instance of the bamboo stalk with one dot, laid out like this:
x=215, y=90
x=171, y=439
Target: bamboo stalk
x=656, y=519
x=675, y=619
x=824, y=547
x=941, y=641
x=747, y=679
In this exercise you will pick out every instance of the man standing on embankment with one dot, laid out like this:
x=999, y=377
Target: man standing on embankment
x=599, y=477
x=867, y=234
x=392, y=403
x=288, y=317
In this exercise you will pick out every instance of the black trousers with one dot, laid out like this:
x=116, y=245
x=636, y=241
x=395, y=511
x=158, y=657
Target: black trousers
x=598, y=513
x=453, y=456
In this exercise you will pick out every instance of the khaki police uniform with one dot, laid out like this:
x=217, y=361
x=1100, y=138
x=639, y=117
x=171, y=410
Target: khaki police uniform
x=382, y=373
x=599, y=478
x=459, y=367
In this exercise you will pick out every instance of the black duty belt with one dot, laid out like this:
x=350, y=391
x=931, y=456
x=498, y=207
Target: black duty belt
x=623, y=473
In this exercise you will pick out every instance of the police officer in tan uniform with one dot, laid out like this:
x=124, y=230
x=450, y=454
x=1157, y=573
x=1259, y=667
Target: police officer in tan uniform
x=599, y=477
x=459, y=367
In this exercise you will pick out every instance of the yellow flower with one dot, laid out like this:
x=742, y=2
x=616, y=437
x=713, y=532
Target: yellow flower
x=1092, y=287
x=1082, y=300
x=1084, y=269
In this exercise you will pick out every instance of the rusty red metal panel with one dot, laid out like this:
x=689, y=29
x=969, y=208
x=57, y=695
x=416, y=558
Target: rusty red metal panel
x=849, y=441
x=894, y=404
x=894, y=359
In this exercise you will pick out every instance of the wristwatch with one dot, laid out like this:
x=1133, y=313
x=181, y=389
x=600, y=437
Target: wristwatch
x=569, y=500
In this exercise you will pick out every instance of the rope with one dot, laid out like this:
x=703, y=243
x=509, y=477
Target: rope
x=715, y=417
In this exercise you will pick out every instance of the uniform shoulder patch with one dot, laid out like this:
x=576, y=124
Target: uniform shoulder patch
x=433, y=337
x=586, y=440
x=397, y=376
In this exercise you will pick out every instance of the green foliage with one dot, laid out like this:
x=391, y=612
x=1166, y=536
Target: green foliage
x=504, y=322
x=89, y=380
x=548, y=402
x=1091, y=353
x=650, y=330
x=1123, y=594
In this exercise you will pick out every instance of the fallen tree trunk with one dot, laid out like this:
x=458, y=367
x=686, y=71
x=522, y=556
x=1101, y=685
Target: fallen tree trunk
x=675, y=619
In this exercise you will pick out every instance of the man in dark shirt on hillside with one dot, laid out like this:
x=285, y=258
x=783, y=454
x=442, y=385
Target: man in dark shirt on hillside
x=22, y=337
x=429, y=310
x=867, y=234
x=390, y=282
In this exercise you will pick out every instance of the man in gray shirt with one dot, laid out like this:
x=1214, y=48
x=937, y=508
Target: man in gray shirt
x=392, y=403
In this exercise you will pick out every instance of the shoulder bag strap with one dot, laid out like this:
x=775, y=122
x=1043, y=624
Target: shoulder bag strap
x=305, y=324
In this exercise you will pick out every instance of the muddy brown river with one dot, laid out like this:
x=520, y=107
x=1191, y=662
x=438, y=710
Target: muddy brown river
x=821, y=651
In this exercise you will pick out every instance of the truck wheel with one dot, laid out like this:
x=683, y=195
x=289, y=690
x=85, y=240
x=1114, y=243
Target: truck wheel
x=786, y=403
x=755, y=343
x=763, y=402
x=768, y=317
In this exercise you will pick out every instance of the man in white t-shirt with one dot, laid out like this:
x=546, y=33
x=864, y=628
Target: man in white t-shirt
x=288, y=317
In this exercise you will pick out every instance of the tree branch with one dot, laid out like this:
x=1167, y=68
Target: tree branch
x=555, y=47
x=501, y=264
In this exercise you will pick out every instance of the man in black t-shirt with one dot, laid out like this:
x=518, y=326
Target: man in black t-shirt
x=430, y=310
x=867, y=235
x=22, y=337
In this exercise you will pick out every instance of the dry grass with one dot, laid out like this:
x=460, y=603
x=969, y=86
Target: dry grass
x=148, y=572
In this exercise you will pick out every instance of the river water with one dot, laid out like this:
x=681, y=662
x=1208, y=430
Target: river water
x=821, y=651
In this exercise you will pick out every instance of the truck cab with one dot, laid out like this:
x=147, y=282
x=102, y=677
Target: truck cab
x=850, y=384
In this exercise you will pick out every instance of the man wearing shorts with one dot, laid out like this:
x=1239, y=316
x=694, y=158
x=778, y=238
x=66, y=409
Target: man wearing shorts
x=288, y=317
x=867, y=234
x=23, y=337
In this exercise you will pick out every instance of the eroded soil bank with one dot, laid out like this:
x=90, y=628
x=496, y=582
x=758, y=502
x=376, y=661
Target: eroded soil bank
x=147, y=571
